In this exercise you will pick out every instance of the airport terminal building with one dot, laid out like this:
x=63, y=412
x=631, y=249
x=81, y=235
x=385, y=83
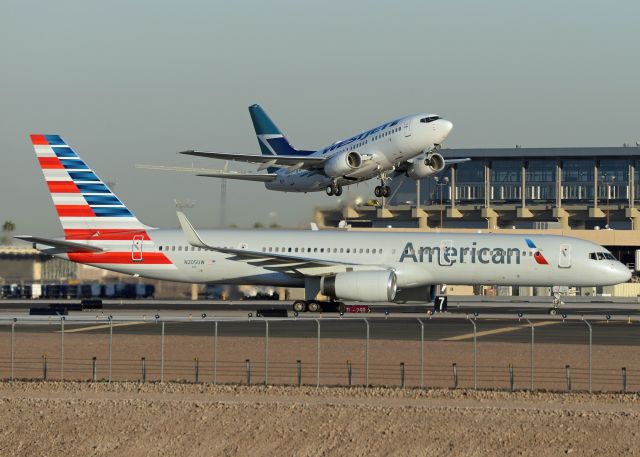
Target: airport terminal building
x=585, y=190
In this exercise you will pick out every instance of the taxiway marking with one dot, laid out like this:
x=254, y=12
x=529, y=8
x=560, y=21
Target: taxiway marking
x=495, y=331
x=100, y=327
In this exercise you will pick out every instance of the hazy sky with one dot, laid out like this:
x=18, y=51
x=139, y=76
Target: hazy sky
x=128, y=82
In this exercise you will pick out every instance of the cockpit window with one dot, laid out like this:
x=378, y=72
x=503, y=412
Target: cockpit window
x=601, y=256
x=426, y=120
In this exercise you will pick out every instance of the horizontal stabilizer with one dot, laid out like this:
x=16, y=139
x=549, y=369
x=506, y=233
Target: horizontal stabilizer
x=67, y=246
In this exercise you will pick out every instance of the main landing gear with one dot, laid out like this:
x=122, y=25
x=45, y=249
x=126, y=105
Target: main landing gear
x=334, y=189
x=382, y=190
x=314, y=306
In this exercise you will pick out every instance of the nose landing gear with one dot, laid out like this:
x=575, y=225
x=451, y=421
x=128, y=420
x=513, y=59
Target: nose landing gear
x=555, y=307
x=334, y=189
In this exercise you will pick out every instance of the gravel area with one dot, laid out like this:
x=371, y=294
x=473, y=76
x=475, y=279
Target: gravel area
x=132, y=419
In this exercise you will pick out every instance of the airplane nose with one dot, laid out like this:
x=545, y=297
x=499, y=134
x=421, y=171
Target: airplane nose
x=623, y=274
x=444, y=128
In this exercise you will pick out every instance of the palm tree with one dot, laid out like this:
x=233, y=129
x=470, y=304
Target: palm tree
x=7, y=228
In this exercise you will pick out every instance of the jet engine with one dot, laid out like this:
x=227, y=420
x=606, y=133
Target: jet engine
x=429, y=166
x=342, y=164
x=368, y=286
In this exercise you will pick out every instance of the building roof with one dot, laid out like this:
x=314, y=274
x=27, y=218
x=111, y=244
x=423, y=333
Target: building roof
x=517, y=153
x=18, y=251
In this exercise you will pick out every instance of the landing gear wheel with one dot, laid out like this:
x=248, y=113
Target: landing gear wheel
x=378, y=191
x=342, y=308
x=299, y=306
x=337, y=191
x=553, y=311
x=314, y=307
x=386, y=191
x=329, y=190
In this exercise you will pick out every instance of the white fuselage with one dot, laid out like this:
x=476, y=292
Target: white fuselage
x=418, y=259
x=382, y=150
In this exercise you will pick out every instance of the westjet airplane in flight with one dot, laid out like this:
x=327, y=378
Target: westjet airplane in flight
x=99, y=230
x=408, y=145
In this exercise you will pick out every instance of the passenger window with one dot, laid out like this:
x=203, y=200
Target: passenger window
x=360, y=250
x=296, y=249
x=367, y=251
x=289, y=250
x=179, y=248
x=315, y=249
x=277, y=249
x=321, y=249
x=348, y=251
x=341, y=250
x=374, y=251
x=173, y=248
x=160, y=248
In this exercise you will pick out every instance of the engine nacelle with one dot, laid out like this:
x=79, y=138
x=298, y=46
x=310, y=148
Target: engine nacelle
x=371, y=286
x=429, y=166
x=342, y=164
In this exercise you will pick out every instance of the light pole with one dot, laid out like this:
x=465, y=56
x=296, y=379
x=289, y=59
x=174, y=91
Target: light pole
x=441, y=183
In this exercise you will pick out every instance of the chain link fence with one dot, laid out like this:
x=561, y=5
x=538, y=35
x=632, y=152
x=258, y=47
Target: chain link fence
x=451, y=351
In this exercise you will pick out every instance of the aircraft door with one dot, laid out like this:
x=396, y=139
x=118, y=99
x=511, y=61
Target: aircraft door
x=407, y=127
x=564, y=260
x=136, y=248
x=445, y=253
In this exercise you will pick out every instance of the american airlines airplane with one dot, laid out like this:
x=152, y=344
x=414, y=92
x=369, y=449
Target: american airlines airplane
x=99, y=230
x=408, y=145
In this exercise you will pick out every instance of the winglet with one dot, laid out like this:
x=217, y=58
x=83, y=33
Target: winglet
x=189, y=232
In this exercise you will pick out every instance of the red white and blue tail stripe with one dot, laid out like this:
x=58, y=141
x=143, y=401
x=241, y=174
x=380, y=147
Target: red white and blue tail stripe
x=89, y=211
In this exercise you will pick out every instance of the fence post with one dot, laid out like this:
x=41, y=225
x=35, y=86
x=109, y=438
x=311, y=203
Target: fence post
x=366, y=356
x=94, y=371
x=421, y=353
x=567, y=375
x=62, y=348
x=511, y=380
x=475, y=354
x=455, y=375
x=532, y=346
x=299, y=365
x=110, y=344
x=247, y=364
x=13, y=338
x=402, y=375
x=197, y=369
x=318, y=354
x=215, y=353
x=624, y=379
x=162, y=353
x=349, y=372
x=144, y=369
x=266, y=352
x=44, y=367
x=590, y=340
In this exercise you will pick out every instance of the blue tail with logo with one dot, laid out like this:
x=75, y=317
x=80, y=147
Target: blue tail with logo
x=270, y=138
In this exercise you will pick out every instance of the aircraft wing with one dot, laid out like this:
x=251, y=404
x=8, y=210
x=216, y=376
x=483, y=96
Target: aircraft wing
x=212, y=173
x=284, y=262
x=63, y=245
x=302, y=161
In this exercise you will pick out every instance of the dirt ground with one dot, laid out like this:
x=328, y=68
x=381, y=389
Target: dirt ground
x=131, y=419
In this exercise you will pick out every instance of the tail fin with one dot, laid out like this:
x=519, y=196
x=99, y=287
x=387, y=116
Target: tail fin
x=271, y=140
x=87, y=208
